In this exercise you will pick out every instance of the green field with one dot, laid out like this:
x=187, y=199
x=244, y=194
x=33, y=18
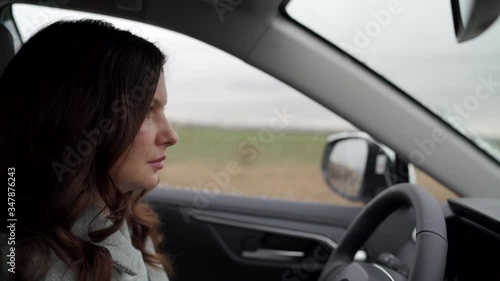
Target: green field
x=215, y=145
x=286, y=166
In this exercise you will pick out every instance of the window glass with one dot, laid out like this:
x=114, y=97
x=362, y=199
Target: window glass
x=241, y=131
x=412, y=44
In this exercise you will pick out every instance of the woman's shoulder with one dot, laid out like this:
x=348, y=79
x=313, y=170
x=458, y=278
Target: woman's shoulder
x=58, y=270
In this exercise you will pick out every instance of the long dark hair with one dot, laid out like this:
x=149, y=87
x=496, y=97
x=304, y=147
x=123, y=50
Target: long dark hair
x=72, y=101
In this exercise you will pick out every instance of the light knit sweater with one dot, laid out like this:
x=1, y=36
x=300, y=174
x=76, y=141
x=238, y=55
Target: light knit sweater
x=128, y=262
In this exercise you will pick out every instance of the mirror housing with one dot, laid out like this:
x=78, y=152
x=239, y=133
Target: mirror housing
x=473, y=17
x=358, y=168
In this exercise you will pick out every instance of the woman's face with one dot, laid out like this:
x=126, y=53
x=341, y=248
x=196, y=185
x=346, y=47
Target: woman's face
x=140, y=168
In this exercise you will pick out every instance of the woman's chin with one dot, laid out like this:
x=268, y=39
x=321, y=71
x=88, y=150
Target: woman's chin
x=154, y=183
x=148, y=184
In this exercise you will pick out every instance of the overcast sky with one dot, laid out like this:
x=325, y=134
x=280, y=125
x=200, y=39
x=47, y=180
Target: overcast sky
x=414, y=46
x=204, y=84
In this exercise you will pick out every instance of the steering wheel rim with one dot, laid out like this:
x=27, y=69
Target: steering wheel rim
x=431, y=248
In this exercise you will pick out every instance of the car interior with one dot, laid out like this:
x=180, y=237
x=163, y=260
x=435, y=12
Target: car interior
x=402, y=234
x=6, y=47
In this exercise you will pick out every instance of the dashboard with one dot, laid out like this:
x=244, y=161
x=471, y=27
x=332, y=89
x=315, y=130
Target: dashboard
x=473, y=227
x=473, y=232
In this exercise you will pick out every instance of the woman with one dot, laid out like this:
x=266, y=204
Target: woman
x=83, y=125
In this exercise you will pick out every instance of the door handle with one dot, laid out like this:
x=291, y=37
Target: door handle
x=274, y=255
x=287, y=256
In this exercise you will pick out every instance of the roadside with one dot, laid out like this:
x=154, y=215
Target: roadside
x=287, y=168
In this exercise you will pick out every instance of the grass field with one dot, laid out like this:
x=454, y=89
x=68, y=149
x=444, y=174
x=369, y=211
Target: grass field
x=256, y=163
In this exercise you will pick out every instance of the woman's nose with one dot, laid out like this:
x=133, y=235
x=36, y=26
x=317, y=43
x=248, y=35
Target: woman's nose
x=167, y=134
x=174, y=138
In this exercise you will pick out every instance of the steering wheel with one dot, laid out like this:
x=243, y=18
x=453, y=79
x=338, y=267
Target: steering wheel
x=429, y=261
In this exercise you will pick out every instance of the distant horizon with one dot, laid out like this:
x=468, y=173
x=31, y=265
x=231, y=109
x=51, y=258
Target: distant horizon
x=258, y=127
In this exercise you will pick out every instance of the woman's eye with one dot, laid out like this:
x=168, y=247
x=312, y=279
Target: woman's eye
x=150, y=110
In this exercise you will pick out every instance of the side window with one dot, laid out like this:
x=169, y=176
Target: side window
x=242, y=132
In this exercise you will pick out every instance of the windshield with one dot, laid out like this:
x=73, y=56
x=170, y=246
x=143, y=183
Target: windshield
x=413, y=45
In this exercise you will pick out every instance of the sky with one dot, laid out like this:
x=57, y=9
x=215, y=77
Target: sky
x=205, y=85
x=412, y=43
x=409, y=42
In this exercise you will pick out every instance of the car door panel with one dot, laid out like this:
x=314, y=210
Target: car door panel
x=250, y=238
x=225, y=237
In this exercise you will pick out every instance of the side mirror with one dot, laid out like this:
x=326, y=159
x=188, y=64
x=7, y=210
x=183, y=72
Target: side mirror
x=473, y=17
x=358, y=168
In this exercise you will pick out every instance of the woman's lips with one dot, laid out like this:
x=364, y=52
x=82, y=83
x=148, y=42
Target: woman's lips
x=159, y=159
x=158, y=163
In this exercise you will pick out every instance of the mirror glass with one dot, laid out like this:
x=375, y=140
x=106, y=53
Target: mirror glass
x=346, y=166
